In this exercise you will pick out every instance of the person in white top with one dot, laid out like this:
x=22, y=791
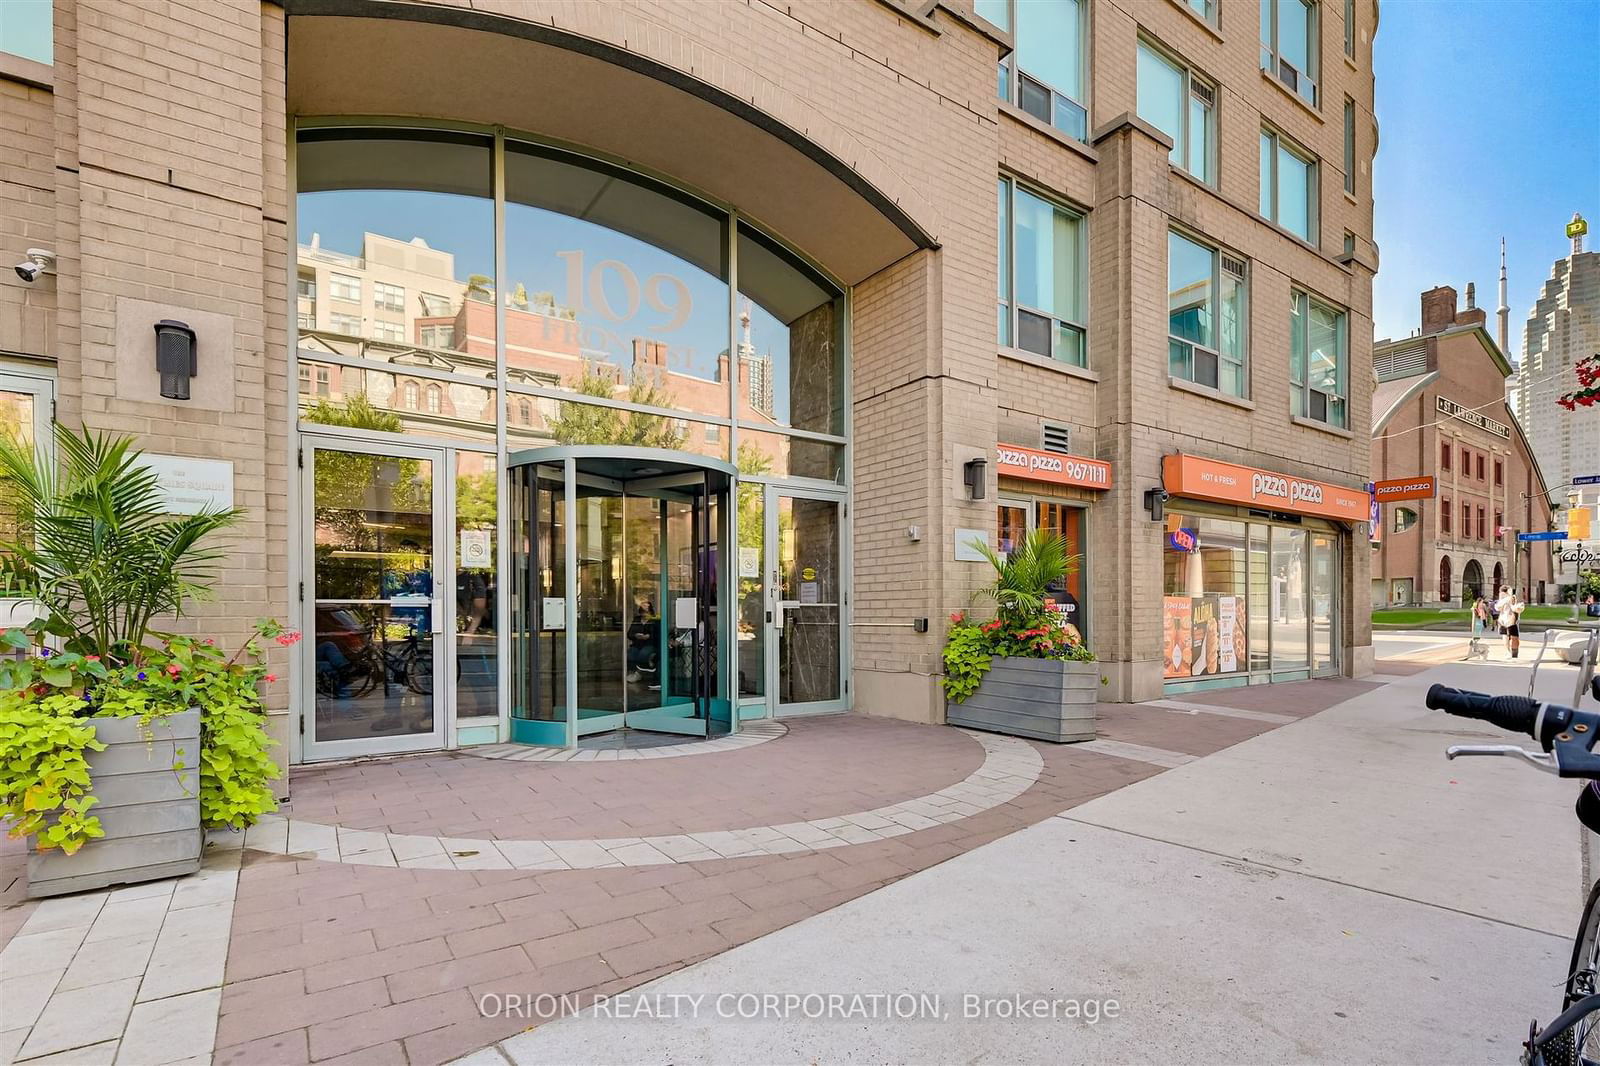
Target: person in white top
x=1508, y=612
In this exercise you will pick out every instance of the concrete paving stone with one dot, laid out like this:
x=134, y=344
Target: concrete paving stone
x=135, y=917
x=385, y=1054
x=299, y=956
x=23, y=998
x=170, y=1030
x=188, y=957
x=107, y=960
x=81, y=1017
x=679, y=947
x=475, y=854
x=207, y=888
x=388, y=936
x=369, y=858
x=447, y=1043
x=11, y=1043
x=380, y=963
x=386, y=1024
x=147, y=890
x=580, y=853
x=414, y=847
x=607, y=908
x=260, y=1017
x=311, y=837
x=593, y=940
x=354, y=842
x=67, y=912
x=271, y=833
x=526, y=931
x=640, y=854
x=283, y=1049
x=440, y=861
x=35, y=953
x=457, y=973
x=530, y=855
x=101, y=1054
x=700, y=913
x=489, y=1056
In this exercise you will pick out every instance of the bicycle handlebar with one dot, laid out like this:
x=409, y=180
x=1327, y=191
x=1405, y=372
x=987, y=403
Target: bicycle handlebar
x=1514, y=714
x=1566, y=732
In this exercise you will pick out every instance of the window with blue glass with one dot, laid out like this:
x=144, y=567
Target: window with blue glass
x=1044, y=76
x=1288, y=185
x=1206, y=315
x=1041, y=294
x=27, y=29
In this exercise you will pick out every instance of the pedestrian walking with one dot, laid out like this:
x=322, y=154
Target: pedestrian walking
x=1482, y=619
x=1508, y=611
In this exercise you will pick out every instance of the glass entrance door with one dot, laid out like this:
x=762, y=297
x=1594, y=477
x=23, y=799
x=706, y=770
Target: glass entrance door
x=616, y=579
x=373, y=548
x=804, y=638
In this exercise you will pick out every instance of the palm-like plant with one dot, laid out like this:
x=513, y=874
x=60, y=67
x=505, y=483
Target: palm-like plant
x=1023, y=578
x=95, y=548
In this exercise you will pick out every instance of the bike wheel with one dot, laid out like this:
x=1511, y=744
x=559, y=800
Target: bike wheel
x=1581, y=1043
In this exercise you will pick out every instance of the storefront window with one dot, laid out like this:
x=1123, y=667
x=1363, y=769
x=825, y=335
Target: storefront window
x=1205, y=621
x=1288, y=608
x=477, y=578
x=616, y=288
x=1248, y=597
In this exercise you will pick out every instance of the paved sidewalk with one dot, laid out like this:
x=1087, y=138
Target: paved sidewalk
x=369, y=923
x=1330, y=891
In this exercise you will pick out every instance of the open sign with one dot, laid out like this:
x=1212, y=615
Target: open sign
x=1183, y=539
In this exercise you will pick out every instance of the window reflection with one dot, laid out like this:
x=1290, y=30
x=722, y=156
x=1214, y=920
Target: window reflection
x=618, y=289
x=790, y=366
x=395, y=248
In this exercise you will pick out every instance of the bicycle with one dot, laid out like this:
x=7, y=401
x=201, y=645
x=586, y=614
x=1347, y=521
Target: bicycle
x=1567, y=736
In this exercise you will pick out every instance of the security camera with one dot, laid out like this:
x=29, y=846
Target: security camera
x=37, y=262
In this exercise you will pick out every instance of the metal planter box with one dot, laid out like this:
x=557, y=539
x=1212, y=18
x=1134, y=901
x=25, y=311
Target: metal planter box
x=1042, y=699
x=149, y=811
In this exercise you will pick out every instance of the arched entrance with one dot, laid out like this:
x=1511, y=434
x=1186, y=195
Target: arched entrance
x=1444, y=580
x=1471, y=581
x=1499, y=579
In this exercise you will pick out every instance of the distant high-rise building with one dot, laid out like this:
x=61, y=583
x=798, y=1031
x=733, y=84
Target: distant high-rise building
x=1563, y=328
x=758, y=368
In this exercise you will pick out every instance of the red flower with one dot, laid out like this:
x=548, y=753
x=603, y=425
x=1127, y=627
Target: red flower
x=272, y=677
x=91, y=658
x=288, y=639
x=173, y=669
x=958, y=617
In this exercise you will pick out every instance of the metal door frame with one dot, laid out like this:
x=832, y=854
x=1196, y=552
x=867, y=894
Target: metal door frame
x=444, y=652
x=773, y=607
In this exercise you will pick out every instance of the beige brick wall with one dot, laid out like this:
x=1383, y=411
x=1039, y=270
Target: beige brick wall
x=156, y=169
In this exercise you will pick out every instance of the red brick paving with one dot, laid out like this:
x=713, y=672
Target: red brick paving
x=343, y=964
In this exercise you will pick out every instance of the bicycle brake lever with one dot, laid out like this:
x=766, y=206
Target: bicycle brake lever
x=1543, y=760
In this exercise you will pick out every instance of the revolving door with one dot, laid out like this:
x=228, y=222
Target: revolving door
x=616, y=593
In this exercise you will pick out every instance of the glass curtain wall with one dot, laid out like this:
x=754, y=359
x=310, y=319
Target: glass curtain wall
x=628, y=312
x=1247, y=597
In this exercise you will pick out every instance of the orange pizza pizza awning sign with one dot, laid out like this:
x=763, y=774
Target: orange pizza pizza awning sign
x=1211, y=479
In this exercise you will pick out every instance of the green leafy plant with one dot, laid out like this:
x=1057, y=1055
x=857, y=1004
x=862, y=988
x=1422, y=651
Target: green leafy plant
x=49, y=703
x=1025, y=624
x=95, y=548
x=44, y=773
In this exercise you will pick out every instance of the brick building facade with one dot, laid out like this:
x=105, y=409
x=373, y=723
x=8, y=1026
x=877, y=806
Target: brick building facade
x=1158, y=163
x=1440, y=410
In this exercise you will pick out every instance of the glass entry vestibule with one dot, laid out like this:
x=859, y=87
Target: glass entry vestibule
x=618, y=589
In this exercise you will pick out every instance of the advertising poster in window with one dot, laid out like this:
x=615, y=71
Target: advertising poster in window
x=1175, y=636
x=1230, y=633
x=1203, y=636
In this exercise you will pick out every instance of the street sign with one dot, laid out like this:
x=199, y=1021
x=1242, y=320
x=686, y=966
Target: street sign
x=1554, y=534
x=1587, y=479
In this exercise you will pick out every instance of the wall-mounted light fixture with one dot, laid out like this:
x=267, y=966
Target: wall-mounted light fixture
x=1155, y=502
x=176, y=358
x=975, y=473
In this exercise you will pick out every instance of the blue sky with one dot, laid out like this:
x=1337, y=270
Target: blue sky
x=1489, y=126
